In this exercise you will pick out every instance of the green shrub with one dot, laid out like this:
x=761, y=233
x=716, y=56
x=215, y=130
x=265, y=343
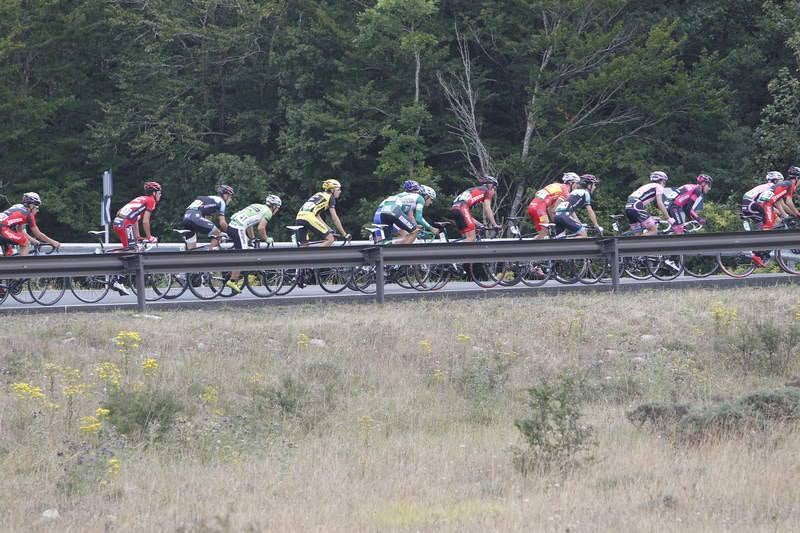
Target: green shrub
x=553, y=432
x=764, y=347
x=658, y=415
x=142, y=412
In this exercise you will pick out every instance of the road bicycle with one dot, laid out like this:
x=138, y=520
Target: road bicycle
x=742, y=264
x=93, y=288
x=44, y=290
x=332, y=280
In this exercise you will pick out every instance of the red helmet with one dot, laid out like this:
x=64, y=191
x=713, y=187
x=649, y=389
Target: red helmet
x=151, y=187
x=703, y=179
x=793, y=172
x=224, y=189
x=586, y=179
x=487, y=180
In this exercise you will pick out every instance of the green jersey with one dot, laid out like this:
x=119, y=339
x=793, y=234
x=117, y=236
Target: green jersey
x=250, y=216
x=407, y=202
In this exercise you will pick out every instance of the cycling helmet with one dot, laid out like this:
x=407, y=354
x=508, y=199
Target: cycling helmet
x=411, y=186
x=151, y=187
x=773, y=176
x=273, y=200
x=570, y=177
x=224, y=189
x=31, y=198
x=793, y=172
x=488, y=180
x=703, y=179
x=331, y=184
x=586, y=179
x=427, y=192
x=659, y=175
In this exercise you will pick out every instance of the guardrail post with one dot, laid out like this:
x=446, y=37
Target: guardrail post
x=135, y=264
x=374, y=255
x=611, y=250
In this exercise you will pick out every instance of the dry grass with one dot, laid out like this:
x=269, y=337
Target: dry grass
x=381, y=429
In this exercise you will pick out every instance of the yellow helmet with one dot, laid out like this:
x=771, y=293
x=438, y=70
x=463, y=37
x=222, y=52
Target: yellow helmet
x=331, y=184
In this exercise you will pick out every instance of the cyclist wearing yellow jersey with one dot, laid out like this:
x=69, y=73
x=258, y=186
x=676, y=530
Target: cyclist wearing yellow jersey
x=240, y=229
x=310, y=214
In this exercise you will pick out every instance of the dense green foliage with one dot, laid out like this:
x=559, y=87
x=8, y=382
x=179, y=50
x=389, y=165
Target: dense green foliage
x=276, y=95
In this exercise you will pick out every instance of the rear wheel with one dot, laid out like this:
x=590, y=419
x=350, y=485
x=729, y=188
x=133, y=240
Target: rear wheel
x=334, y=280
x=47, y=291
x=536, y=273
x=789, y=260
x=488, y=275
x=206, y=285
x=737, y=265
x=666, y=267
x=264, y=283
x=568, y=271
x=90, y=289
x=637, y=267
x=700, y=266
x=18, y=289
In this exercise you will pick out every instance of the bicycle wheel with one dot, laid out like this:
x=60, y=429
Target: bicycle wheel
x=595, y=269
x=637, y=267
x=700, y=266
x=364, y=279
x=333, y=280
x=18, y=289
x=291, y=277
x=536, y=273
x=3, y=290
x=789, y=260
x=90, y=289
x=206, y=285
x=737, y=265
x=156, y=285
x=488, y=275
x=568, y=271
x=264, y=283
x=404, y=276
x=432, y=277
x=47, y=291
x=177, y=286
x=666, y=267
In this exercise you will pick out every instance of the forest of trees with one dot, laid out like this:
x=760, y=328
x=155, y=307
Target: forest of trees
x=277, y=95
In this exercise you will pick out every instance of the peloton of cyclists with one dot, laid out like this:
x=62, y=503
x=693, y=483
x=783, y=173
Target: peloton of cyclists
x=402, y=213
x=541, y=209
x=464, y=202
x=17, y=220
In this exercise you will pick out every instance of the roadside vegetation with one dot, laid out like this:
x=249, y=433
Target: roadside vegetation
x=657, y=411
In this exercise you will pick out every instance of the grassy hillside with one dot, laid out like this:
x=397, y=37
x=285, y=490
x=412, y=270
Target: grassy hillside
x=661, y=411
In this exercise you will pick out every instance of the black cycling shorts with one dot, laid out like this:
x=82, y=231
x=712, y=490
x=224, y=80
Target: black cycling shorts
x=399, y=219
x=565, y=222
x=194, y=222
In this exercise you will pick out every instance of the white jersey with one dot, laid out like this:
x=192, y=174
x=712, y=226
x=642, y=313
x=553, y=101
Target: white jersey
x=250, y=216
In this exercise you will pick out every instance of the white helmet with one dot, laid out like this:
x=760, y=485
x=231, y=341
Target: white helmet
x=570, y=177
x=659, y=175
x=774, y=176
x=428, y=192
x=31, y=198
x=273, y=200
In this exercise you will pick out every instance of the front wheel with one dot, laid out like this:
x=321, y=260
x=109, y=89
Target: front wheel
x=206, y=285
x=488, y=275
x=47, y=291
x=666, y=267
x=700, y=266
x=789, y=260
x=90, y=289
x=264, y=283
x=738, y=265
x=334, y=280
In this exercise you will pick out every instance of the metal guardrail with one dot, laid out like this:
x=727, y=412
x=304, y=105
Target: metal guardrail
x=356, y=255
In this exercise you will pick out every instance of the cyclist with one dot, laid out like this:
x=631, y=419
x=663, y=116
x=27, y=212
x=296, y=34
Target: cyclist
x=197, y=216
x=240, y=229
x=636, y=206
x=465, y=201
x=126, y=223
x=753, y=206
x=780, y=199
x=565, y=216
x=688, y=201
x=403, y=212
x=13, y=223
x=310, y=218
x=541, y=209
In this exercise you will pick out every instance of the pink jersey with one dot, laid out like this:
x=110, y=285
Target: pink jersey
x=474, y=196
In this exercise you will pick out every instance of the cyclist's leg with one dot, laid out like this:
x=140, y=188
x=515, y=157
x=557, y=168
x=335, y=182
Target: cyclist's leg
x=189, y=224
x=17, y=238
x=464, y=222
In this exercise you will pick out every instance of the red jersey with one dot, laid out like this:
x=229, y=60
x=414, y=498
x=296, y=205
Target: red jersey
x=474, y=196
x=783, y=189
x=134, y=209
x=17, y=215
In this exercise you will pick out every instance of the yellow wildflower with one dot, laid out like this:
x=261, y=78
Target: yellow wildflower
x=128, y=340
x=109, y=373
x=90, y=424
x=149, y=367
x=113, y=467
x=438, y=376
x=26, y=391
x=366, y=423
x=102, y=412
x=80, y=389
x=303, y=340
x=210, y=395
x=425, y=346
x=463, y=338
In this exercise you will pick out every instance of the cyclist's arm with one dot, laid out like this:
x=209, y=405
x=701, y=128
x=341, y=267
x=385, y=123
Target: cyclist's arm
x=223, y=224
x=262, y=229
x=31, y=240
x=592, y=216
x=336, y=222
x=790, y=207
x=695, y=205
x=145, y=226
x=421, y=219
x=42, y=237
x=662, y=207
x=487, y=210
